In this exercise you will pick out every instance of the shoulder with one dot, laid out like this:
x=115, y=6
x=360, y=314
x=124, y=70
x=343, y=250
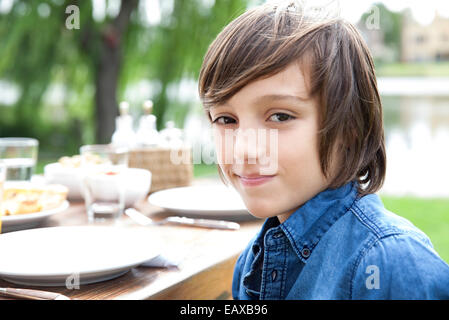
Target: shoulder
x=380, y=222
x=400, y=266
x=398, y=261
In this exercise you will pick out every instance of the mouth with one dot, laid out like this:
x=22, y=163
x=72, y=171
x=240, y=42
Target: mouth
x=254, y=180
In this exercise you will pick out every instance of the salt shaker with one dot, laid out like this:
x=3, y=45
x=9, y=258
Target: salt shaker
x=147, y=134
x=124, y=133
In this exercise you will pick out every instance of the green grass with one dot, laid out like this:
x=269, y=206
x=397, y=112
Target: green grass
x=204, y=170
x=429, y=215
x=423, y=69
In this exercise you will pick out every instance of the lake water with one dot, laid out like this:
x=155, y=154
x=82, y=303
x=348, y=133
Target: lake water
x=416, y=122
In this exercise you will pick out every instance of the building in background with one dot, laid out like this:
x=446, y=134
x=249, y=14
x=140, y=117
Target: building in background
x=424, y=42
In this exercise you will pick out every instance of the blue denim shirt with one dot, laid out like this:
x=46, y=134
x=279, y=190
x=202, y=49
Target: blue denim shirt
x=339, y=245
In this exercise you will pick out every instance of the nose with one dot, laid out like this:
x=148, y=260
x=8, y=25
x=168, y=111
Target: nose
x=246, y=146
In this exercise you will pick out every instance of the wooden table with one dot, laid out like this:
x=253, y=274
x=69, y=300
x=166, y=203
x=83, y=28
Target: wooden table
x=205, y=271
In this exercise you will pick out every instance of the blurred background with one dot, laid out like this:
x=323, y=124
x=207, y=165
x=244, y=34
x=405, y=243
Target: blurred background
x=66, y=65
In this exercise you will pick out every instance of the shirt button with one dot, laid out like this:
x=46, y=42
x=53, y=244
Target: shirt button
x=273, y=275
x=305, y=252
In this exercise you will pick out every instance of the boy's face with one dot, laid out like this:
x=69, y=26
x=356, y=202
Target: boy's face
x=278, y=111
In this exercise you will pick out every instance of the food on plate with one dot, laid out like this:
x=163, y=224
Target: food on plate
x=29, y=199
x=76, y=160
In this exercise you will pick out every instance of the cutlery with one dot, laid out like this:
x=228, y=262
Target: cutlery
x=32, y=294
x=142, y=219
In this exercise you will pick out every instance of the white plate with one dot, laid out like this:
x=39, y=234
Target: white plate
x=201, y=200
x=70, y=256
x=29, y=220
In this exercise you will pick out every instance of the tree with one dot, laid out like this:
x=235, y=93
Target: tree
x=107, y=61
x=97, y=62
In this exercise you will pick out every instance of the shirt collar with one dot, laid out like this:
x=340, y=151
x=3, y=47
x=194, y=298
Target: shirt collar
x=305, y=227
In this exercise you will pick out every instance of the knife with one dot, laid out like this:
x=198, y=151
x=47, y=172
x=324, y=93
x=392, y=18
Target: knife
x=32, y=294
x=142, y=219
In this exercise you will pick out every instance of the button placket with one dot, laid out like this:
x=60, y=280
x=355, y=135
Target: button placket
x=274, y=257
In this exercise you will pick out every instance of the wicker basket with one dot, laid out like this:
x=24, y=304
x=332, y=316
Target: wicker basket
x=169, y=167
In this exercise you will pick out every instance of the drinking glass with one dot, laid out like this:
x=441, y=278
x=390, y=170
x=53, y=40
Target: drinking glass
x=19, y=156
x=103, y=168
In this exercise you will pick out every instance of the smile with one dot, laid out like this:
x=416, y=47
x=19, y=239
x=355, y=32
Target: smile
x=254, y=181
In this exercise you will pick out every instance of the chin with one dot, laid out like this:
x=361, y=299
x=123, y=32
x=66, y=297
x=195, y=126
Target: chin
x=261, y=211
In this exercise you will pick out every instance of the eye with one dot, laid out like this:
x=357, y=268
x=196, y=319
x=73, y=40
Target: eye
x=280, y=117
x=223, y=120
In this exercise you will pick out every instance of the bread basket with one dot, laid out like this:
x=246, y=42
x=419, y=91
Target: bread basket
x=170, y=168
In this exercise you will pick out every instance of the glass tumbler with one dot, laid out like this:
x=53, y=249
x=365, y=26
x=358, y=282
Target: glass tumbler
x=19, y=156
x=104, y=170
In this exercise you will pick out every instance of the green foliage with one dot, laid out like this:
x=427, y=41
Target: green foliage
x=390, y=27
x=39, y=52
x=391, y=23
x=174, y=49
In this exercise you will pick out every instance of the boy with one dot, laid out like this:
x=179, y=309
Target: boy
x=311, y=80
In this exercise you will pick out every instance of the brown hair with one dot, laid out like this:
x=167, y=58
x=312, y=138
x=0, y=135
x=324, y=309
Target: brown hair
x=265, y=40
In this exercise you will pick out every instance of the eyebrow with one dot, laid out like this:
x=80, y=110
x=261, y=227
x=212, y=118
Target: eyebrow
x=272, y=97
x=277, y=97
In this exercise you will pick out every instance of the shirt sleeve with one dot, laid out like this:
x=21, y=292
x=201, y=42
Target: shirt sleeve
x=400, y=266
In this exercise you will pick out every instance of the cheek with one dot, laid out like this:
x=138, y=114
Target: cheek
x=298, y=153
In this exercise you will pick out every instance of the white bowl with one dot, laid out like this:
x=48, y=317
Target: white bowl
x=137, y=182
x=69, y=177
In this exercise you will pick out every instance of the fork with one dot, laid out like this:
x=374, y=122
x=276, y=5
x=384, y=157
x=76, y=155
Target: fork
x=31, y=294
